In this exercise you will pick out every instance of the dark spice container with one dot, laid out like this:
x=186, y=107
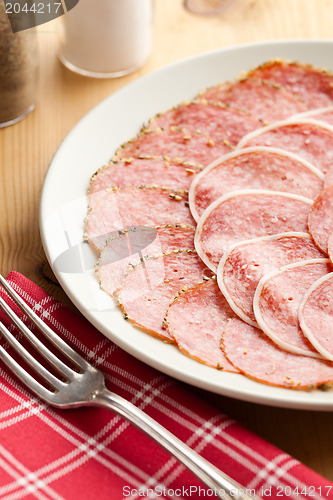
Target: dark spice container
x=18, y=71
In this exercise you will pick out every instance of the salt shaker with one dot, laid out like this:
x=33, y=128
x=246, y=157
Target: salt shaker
x=18, y=71
x=106, y=38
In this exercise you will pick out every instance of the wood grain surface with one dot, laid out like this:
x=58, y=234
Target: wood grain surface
x=26, y=150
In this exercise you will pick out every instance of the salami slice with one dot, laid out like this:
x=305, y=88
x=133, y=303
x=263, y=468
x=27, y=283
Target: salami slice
x=320, y=114
x=124, y=208
x=328, y=180
x=276, y=301
x=196, y=320
x=241, y=215
x=257, y=357
x=321, y=218
x=254, y=168
x=245, y=263
x=150, y=287
x=138, y=172
x=312, y=85
x=315, y=315
x=260, y=98
x=174, y=143
x=215, y=119
x=330, y=247
x=311, y=140
x=125, y=250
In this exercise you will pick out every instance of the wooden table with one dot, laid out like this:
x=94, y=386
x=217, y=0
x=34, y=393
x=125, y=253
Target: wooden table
x=26, y=150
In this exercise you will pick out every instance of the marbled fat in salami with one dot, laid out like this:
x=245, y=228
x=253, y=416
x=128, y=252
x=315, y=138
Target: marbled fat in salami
x=136, y=172
x=312, y=85
x=321, y=218
x=179, y=144
x=245, y=263
x=196, y=320
x=311, y=140
x=150, y=288
x=254, y=168
x=260, y=98
x=277, y=299
x=257, y=357
x=213, y=118
x=121, y=209
x=246, y=214
x=125, y=250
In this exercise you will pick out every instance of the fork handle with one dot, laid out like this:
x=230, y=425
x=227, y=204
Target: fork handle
x=223, y=486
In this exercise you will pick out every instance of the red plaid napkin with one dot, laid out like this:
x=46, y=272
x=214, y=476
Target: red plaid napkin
x=91, y=453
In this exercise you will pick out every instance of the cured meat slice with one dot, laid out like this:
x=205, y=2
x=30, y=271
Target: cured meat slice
x=254, y=168
x=121, y=209
x=125, y=250
x=257, y=357
x=321, y=218
x=241, y=215
x=260, y=98
x=175, y=144
x=276, y=301
x=196, y=320
x=328, y=180
x=245, y=263
x=142, y=172
x=214, y=118
x=330, y=247
x=150, y=287
x=321, y=114
x=311, y=140
x=312, y=85
x=315, y=315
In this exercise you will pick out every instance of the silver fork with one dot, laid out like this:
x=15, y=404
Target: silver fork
x=84, y=386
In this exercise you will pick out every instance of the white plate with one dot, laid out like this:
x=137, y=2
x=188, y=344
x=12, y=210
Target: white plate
x=90, y=144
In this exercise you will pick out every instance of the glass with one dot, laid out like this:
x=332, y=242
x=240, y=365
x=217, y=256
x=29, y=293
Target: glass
x=19, y=62
x=106, y=38
x=208, y=7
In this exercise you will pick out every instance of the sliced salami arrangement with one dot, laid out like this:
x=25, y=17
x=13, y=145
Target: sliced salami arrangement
x=214, y=226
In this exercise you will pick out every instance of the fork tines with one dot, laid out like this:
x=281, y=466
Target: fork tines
x=59, y=366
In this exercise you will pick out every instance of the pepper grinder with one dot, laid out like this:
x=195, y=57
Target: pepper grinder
x=18, y=71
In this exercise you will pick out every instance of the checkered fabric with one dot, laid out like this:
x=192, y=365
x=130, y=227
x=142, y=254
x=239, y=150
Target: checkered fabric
x=90, y=453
